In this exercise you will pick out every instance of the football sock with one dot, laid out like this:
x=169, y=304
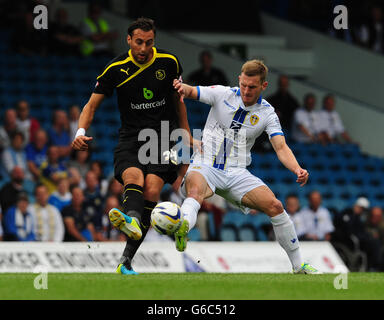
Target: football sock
x=133, y=201
x=190, y=208
x=286, y=236
x=132, y=245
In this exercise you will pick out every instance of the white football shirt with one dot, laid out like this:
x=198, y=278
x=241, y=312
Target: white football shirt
x=232, y=128
x=330, y=122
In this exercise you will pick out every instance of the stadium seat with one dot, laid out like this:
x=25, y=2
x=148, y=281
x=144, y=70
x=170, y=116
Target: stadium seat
x=228, y=233
x=194, y=235
x=234, y=218
x=247, y=233
x=211, y=226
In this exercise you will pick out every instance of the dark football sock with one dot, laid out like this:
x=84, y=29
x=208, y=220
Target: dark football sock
x=133, y=201
x=132, y=245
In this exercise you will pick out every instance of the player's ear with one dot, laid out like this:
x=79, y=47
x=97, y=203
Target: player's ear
x=129, y=40
x=265, y=85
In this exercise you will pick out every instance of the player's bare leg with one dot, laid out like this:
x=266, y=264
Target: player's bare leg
x=264, y=200
x=197, y=190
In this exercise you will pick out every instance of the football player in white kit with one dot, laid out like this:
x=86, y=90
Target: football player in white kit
x=237, y=117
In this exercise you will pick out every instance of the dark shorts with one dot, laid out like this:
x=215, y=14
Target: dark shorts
x=126, y=155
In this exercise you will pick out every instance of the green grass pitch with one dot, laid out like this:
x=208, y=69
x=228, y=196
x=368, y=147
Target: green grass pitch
x=191, y=286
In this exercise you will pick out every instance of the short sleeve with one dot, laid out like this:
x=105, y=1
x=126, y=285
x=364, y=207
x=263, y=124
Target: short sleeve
x=328, y=225
x=322, y=121
x=300, y=117
x=338, y=124
x=273, y=127
x=30, y=154
x=106, y=82
x=179, y=70
x=210, y=95
x=66, y=212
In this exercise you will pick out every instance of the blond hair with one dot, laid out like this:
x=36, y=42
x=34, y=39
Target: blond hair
x=255, y=68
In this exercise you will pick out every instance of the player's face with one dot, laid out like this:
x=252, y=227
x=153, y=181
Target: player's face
x=251, y=88
x=141, y=44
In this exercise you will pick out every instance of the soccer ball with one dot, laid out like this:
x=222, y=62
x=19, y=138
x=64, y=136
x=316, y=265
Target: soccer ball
x=166, y=218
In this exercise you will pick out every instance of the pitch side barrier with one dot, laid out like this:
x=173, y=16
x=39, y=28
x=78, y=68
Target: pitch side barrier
x=221, y=257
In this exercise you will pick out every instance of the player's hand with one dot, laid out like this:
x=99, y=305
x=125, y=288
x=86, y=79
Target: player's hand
x=80, y=143
x=197, y=145
x=179, y=88
x=302, y=176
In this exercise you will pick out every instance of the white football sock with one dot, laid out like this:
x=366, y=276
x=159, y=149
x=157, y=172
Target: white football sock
x=190, y=208
x=286, y=236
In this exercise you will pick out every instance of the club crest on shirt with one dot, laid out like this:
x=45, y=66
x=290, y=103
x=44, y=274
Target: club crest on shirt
x=254, y=119
x=160, y=74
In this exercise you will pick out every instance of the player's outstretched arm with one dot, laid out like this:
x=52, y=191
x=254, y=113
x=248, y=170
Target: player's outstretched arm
x=185, y=90
x=287, y=158
x=85, y=120
x=181, y=111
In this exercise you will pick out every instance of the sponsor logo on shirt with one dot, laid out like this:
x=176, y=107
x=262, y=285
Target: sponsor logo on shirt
x=148, y=105
x=148, y=94
x=160, y=74
x=254, y=119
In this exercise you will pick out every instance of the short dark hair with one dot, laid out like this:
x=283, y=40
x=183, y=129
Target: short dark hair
x=17, y=133
x=145, y=24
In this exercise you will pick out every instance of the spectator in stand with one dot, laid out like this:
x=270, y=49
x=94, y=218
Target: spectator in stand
x=330, y=123
x=75, y=178
x=284, y=102
x=115, y=188
x=78, y=224
x=316, y=219
x=215, y=205
x=18, y=221
x=52, y=170
x=61, y=197
x=80, y=161
x=10, y=191
x=28, y=40
x=15, y=156
x=105, y=231
x=97, y=168
x=292, y=206
x=64, y=38
x=74, y=115
x=375, y=224
x=351, y=226
x=8, y=129
x=58, y=134
x=371, y=33
x=93, y=198
x=47, y=220
x=305, y=122
x=26, y=124
x=207, y=74
x=96, y=32
x=36, y=153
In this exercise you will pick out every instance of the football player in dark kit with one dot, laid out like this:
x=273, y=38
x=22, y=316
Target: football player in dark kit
x=143, y=80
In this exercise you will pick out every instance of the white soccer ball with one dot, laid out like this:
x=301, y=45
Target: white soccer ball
x=166, y=218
